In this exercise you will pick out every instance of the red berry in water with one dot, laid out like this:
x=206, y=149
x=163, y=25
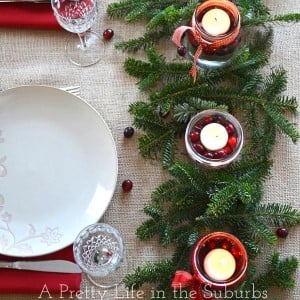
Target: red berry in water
x=198, y=126
x=209, y=155
x=181, y=51
x=235, y=251
x=194, y=136
x=219, y=119
x=282, y=232
x=127, y=185
x=108, y=34
x=226, y=245
x=230, y=129
x=212, y=244
x=128, y=132
x=220, y=154
x=232, y=141
x=199, y=148
x=207, y=120
x=228, y=150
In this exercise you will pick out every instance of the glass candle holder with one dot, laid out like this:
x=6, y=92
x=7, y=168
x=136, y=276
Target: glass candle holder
x=213, y=138
x=213, y=35
x=214, y=256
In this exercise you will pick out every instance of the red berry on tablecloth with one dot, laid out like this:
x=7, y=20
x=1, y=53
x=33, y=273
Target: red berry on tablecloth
x=108, y=34
x=282, y=232
x=181, y=51
x=128, y=132
x=127, y=185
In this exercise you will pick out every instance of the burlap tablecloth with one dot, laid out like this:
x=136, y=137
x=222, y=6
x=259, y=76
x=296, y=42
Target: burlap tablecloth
x=33, y=57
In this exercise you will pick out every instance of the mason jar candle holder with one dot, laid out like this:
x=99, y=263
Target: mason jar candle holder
x=219, y=261
x=213, y=138
x=213, y=34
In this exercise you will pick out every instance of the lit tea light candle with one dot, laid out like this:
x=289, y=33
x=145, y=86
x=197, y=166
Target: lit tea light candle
x=216, y=21
x=219, y=264
x=214, y=136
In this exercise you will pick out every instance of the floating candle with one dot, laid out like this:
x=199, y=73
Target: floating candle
x=219, y=264
x=216, y=21
x=214, y=136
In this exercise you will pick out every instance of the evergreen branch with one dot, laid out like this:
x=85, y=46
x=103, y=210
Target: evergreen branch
x=157, y=272
x=258, y=230
x=282, y=122
x=262, y=20
x=183, y=112
x=279, y=273
x=277, y=214
x=147, y=41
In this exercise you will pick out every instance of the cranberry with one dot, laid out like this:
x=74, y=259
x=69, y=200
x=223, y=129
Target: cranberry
x=199, y=148
x=128, y=132
x=220, y=154
x=127, y=185
x=235, y=251
x=194, y=136
x=209, y=155
x=282, y=232
x=228, y=150
x=230, y=129
x=219, y=119
x=198, y=126
x=207, y=120
x=232, y=141
x=212, y=244
x=181, y=51
x=226, y=245
x=108, y=34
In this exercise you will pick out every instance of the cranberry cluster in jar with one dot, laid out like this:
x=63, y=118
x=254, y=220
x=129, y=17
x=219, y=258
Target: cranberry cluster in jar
x=219, y=240
x=232, y=138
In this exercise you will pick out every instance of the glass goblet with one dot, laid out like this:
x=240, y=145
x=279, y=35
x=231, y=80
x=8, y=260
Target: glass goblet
x=78, y=16
x=99, y=252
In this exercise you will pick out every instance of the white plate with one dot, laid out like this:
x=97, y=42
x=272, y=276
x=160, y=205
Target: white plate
x=58, y=169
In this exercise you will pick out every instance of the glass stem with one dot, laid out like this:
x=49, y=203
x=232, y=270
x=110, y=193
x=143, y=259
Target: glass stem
x=82, y=37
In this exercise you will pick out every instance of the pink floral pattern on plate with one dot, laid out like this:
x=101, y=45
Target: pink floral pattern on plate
x=8, y=239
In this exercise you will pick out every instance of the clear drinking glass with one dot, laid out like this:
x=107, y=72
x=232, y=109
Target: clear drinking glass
x=99, y=252
x=78, y=16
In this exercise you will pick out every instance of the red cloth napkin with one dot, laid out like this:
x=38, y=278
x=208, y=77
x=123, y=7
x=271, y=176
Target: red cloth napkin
x=27, y=15
x=40, y=283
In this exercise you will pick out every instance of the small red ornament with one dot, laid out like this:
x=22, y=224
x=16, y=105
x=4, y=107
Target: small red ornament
x=127, y=185
x=108, y=34
x=282, y=232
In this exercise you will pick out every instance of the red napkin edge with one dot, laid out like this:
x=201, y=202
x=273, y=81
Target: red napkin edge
x=40, y=283
x=27, y=15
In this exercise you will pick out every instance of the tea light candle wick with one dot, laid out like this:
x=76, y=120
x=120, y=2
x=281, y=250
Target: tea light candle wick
x=219, y=264
x=216, y=21
x=214, y=136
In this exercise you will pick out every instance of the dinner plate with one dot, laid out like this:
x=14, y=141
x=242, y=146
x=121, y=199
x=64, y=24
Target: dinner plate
x=58, y=169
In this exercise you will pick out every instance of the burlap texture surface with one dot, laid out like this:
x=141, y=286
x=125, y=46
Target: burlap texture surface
x=34, y=57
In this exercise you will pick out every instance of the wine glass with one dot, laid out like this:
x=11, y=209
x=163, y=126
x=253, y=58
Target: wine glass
x=78, y=16
x=99, y=252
